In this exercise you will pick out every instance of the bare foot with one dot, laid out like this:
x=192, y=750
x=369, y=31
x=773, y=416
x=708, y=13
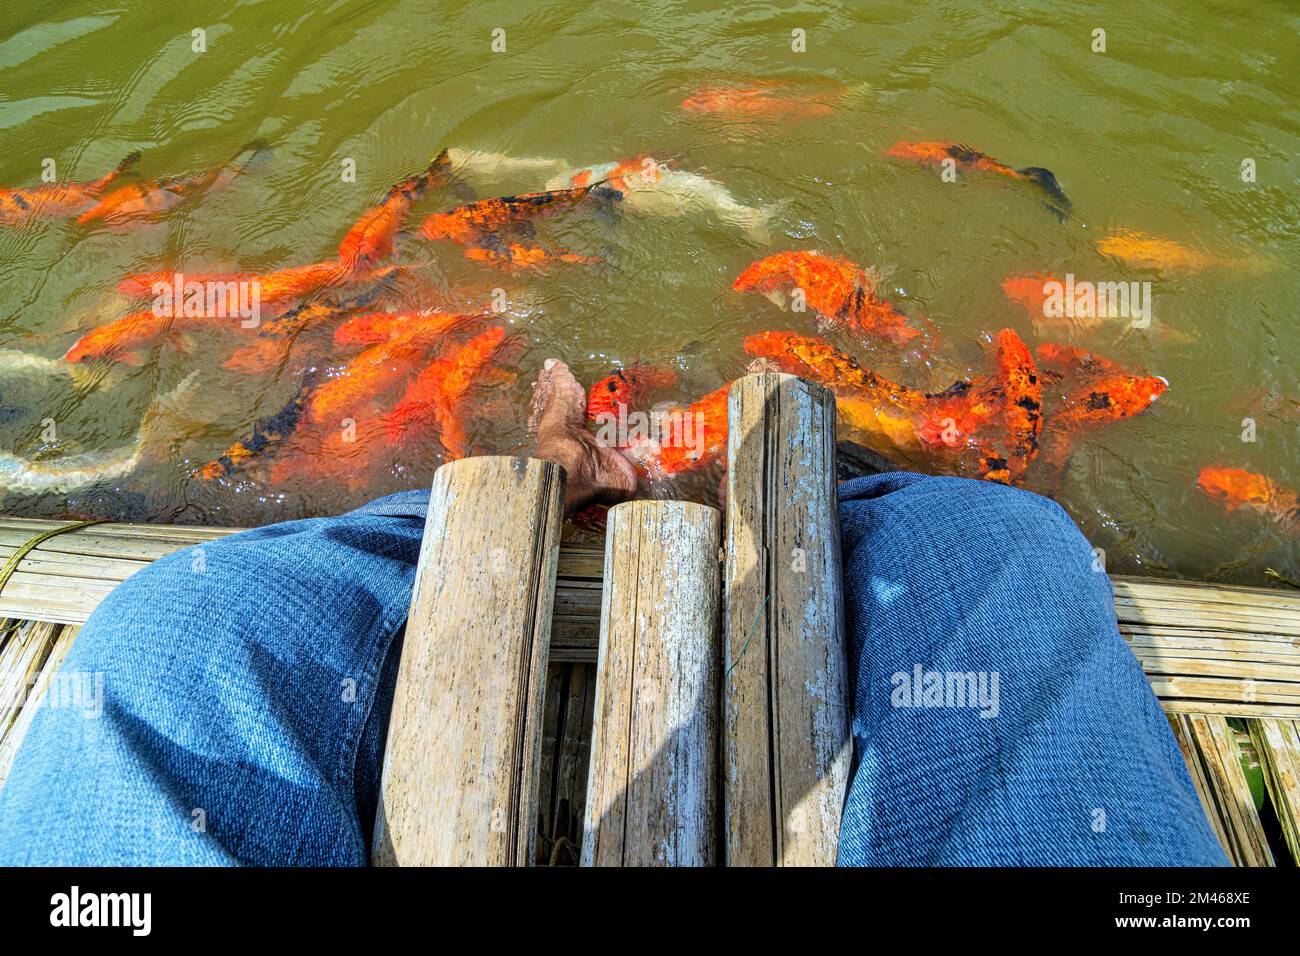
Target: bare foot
x=593, y=473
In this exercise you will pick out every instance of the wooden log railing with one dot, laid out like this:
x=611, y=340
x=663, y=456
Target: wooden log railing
x=786, y=744
x=653, y=791
x=459, y=782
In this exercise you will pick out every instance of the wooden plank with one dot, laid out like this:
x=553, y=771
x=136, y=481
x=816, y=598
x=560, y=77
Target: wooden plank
x=652, y=797
x=25, y=678
x=459, y=784
x=1278, y=744
x=786, y=744
x=1209, y=742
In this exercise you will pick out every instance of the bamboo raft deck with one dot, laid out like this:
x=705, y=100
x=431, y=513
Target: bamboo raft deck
x=1224, y=663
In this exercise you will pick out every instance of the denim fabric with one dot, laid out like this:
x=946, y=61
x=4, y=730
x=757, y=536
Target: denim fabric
x=246, y=688
x=1076, y=763
x=247, y=685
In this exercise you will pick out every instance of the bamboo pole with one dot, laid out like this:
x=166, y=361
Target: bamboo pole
x=1278, y=744
x=652, y=791
x=459, y=784
x=786, y=744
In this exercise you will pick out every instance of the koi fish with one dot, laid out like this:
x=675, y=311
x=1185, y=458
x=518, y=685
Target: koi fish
x=1030, y=292
x=469, y=224
x=439, y=388
x=119, y=338
x=656, y=188
x=267, y=433
x=694, y=436
x=759, y=100
x=365, y=376
x=1103, y=390
x=866, y=402
x=1022, y=411
x=149, y=198
x=376, y=327
x=167, y=414
x=57, y=200
x=1096, y=391
x=371, y=239
x=291, y=283
x=626, y=388
x=1151, y=252
x=968, y=160
x=520, y=256
x=1236, y=488
x=838, y=290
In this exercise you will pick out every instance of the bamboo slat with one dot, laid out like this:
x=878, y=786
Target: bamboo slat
x=1215, y=761
x=652, y=797
x=786, y=744
x=30, y=654
x=459, y=784
x=1278, y=744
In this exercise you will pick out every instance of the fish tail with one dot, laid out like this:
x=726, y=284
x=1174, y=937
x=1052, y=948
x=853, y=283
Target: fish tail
x=253, y=149
x=1046, y=181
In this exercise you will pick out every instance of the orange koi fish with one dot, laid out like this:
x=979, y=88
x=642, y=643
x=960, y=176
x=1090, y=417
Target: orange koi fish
x=1103, y=390
x=520, y=256
x=366, y=376
x=838, y=290
x=470, y=224
x=291, y=283
x=149, y=198
x=1022, y=410
x=373, y=328
x=57, y=200
x=1236, y=488
x=1151, y=252
x=1029, y=291
x=119, y=338
x=866, y=402
x=693, y=436
x=968, y=160
x=267, y=433
x=626, y=388
x=439, y=388
x=759, y=100
x=371, y=239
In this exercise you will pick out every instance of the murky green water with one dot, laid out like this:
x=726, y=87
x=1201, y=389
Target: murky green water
x=1149, y=135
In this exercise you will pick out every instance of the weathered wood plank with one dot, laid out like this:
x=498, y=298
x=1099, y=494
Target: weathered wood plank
x=652, y=797
x=786, y=744
x=459, y=783
x=29, y=659
x=1209, y=747
x=1278, y=744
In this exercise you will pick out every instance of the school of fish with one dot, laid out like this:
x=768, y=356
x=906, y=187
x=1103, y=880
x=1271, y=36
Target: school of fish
x=368, y=380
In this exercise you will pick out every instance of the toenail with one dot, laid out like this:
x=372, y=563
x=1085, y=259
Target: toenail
x=546, y=366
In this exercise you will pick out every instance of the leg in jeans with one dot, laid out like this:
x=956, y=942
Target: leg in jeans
x=1063, y=756
x=247, y=685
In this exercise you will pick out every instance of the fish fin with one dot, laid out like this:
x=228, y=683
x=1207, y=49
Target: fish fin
x=254, y=149
x=1046, y=181
x=129, y=160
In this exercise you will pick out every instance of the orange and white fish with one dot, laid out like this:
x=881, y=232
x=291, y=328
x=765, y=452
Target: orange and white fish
x=371, y=239
x=965, y=159
x=435, y=394
x=372, y=328
x=690, y=437
x=841, y=292
x=1237, y=488
x=656, y=187
x=57, y=200
x=150, y=198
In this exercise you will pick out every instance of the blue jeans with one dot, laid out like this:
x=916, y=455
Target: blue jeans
x=998, y=716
